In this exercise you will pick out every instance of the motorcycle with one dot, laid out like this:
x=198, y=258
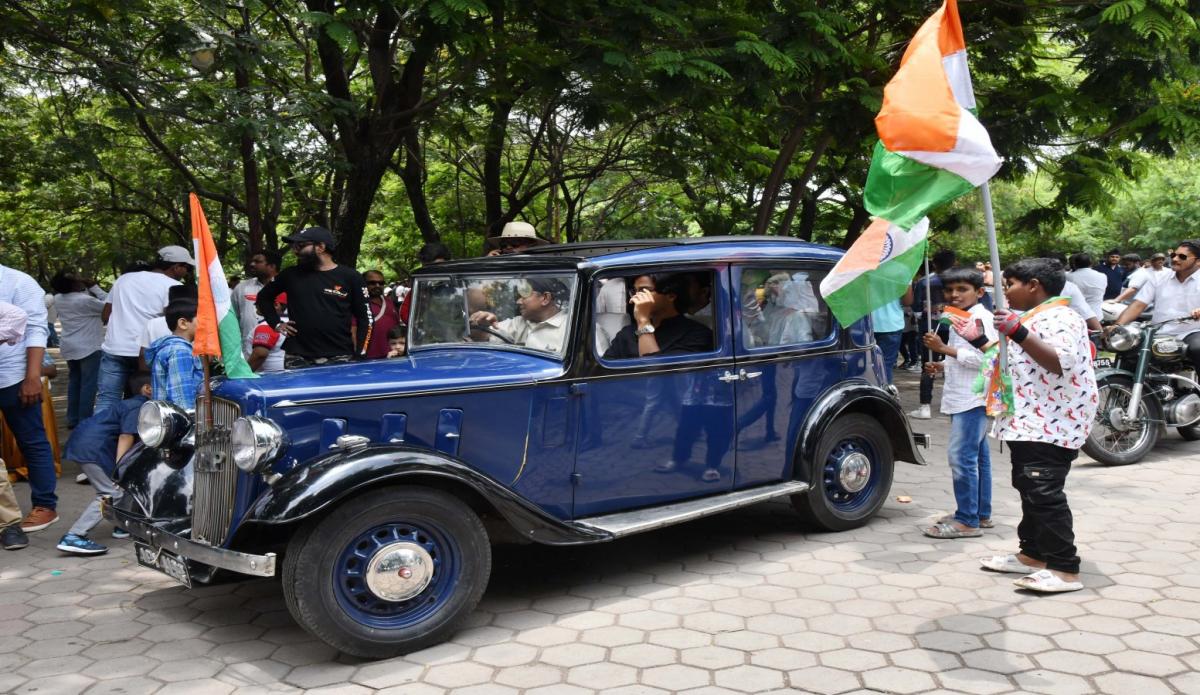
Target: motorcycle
x=1147, y=386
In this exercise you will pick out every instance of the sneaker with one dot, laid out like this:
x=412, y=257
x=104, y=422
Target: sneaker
x=81, y=479
x=711, y=475
x=913, y=368
x=38, y=519
x=78, y=545
x=120, y=533
x=921, y=413
x=13, y=538
x=666, y=467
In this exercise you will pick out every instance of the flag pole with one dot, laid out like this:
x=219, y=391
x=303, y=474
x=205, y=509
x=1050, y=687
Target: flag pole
x=928, y=299
x=994, y=250
x=206, y=392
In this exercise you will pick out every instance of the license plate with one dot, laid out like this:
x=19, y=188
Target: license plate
x=170, y=565
x=1102, y=363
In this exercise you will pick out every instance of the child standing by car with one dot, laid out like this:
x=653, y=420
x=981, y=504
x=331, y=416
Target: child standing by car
x=175, y=373
x=970, y=460
x=95, y=446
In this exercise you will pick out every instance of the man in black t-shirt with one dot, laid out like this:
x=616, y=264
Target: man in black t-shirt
x=659, y=327
x=322, y=298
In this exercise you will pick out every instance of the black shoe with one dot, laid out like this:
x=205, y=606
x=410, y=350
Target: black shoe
x=13, y=538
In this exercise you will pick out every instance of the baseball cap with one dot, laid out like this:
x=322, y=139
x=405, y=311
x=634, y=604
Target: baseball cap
x=317, y=235
x=175, y=254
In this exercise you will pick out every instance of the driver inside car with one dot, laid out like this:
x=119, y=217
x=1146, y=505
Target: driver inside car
x=541, y=323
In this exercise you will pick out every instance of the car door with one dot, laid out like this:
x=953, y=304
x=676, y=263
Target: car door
x=656, y=429
x=787, y=352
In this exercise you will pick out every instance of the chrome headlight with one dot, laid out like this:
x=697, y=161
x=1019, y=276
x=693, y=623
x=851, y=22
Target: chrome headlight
x=257, y=442
x=162, y=423
x=1124, y=338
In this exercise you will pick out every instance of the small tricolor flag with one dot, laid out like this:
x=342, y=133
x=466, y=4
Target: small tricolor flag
x=876, y=270
x=931, y=147
x=217, y=331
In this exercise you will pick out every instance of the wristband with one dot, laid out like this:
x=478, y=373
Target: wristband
x=979, y=343
x=1020, y=334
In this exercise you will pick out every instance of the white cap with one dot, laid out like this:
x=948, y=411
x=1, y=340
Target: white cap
x=175, y=254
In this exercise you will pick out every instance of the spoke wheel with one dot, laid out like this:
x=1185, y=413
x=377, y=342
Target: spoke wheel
x=1114, y=441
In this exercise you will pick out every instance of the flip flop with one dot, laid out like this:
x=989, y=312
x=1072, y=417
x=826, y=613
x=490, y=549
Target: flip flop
x=950, y=531
x=1046, y=582
x=949, y=518
x=1005, y=563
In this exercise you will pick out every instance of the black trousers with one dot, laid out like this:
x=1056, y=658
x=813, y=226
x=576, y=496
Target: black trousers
x=1039, y=471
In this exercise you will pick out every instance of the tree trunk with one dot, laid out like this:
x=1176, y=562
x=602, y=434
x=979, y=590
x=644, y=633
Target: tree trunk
x=766, y=208
x=858, y=222
x=356, y=201
x=493, y=154
x=413, y=176
x=808, y=216
x=785, y=227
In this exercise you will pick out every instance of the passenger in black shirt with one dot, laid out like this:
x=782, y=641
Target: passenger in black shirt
x=659, y=326
x=322, y=298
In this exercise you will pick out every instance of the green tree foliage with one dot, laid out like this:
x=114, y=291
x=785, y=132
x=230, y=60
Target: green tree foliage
x=396, y=122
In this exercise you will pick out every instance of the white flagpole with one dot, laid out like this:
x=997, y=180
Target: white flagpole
x=997, y=284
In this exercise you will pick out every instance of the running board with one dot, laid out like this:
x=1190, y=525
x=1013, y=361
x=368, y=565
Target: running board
x=639, y=520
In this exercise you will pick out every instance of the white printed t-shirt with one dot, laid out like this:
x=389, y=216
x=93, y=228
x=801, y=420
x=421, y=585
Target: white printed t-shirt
x=958, y=390
x=135, y=298
x=1050, y=408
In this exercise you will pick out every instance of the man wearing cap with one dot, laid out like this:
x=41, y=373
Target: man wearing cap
x=134, y=299
x=323, y=297
x=541, y=324
x=515, y=238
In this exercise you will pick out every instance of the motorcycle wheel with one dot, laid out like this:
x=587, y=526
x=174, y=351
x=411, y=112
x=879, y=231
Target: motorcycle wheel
x=1116, y=447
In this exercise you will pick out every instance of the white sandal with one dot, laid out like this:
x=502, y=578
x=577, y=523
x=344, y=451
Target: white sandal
x=1005, y=563
x=1047, y=582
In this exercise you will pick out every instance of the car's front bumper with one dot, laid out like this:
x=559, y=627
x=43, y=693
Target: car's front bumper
x=157, y=538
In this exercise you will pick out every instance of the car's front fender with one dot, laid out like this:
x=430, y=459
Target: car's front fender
x=309, y=490
x=862, y=397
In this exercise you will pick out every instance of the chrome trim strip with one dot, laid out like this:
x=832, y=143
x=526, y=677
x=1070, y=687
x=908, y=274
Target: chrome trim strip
x=244, y=563
x=640, y=520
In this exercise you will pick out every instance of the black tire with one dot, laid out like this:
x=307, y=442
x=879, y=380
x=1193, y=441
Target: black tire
x=1113, y=447
x=326, y=597
x=1189, y=433
x=828, y=504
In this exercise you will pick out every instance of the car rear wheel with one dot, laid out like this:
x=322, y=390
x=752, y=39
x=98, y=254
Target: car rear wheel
x=389, y=572
x=849, y=476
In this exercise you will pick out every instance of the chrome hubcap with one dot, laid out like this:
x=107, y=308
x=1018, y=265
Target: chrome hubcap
x=399, y=571
x=854, y=472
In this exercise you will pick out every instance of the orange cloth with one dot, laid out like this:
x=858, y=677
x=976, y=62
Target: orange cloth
x=11, y=453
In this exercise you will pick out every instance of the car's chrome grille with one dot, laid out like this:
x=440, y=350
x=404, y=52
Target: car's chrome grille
x=215, y=476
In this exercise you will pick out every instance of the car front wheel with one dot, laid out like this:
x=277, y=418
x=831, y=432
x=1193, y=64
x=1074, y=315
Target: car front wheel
x=389, y=572
x=849, y=476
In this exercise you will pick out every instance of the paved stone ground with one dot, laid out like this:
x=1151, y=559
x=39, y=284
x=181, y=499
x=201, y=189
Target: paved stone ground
x=745, y=602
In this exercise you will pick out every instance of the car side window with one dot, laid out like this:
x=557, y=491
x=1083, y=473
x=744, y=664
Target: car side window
x=674, y=309
x=782, y=306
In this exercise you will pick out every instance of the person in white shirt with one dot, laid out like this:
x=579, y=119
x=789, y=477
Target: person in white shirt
x=1176, y=296
x=541, y=325
x=135, y=298
x=1091, y=282
x=262, y=268
x=80, y=305
x=1136, y=276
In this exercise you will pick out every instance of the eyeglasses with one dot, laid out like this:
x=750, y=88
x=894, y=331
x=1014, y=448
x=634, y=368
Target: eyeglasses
x=1181, y=256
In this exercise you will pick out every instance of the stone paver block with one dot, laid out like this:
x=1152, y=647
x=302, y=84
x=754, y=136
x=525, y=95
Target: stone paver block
x=1088, y=642
x=510, y=654
x=1052, y=683
x=643, y=655
x=602, y=676
x=458, y=675
x=750, y=679
x=568, y=655
x=675, y=677
x=1071, y=662
x=824, y=680
x=898, y=680
x=385, y=674
x=712, y=657
x=530, y=676
x=853, y=660
x=1147, y=664
x=1125, y=683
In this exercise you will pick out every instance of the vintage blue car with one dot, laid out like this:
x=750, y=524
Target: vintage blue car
x=571, y=394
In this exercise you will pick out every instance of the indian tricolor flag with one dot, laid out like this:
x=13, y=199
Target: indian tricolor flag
x=876, y=270
x=217, y=331
x=931, y=147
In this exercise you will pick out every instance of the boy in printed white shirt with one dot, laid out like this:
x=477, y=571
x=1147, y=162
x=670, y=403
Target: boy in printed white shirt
x=970, y=459
x=1053, y=399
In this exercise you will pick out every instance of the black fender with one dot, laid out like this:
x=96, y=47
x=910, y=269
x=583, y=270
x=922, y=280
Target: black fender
x=157, y=483
x=1111, y=372
x=857, y=396
x=308, y=490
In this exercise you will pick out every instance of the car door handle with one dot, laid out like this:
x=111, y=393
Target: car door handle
x=728, y=377
x=749, y=375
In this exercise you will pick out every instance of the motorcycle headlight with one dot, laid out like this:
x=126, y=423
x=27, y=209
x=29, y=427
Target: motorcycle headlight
x=1123, y=338
x=161, y=423
x=257, y=442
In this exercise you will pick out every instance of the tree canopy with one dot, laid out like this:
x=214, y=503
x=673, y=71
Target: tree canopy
x=395, y=122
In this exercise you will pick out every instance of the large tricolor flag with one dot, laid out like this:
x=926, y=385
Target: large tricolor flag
x=217, y=331
x=877, y=269
x=931, y=147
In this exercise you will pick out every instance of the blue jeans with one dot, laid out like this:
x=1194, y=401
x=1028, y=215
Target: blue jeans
x=25, y=422
x=970, y=466
x=115, y=370
x=81, y=387
x=889, y=345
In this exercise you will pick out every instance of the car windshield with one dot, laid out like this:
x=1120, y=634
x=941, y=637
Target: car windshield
x=523, y=310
